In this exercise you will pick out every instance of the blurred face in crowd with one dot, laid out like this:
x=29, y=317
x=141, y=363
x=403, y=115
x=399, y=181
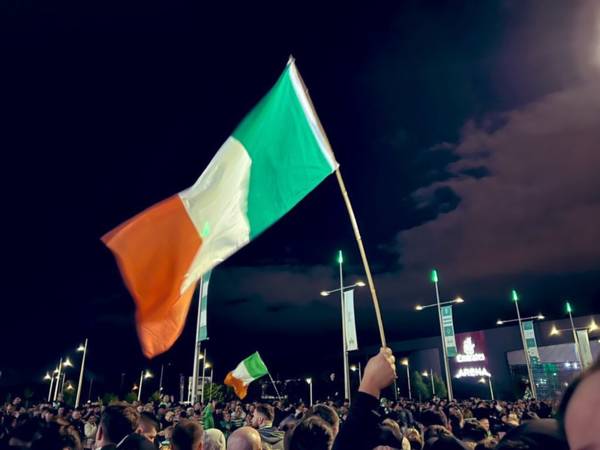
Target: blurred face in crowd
x=485, y=423
x=76, y=415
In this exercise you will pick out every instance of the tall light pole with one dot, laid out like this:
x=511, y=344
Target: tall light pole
x=65, y=364
x=489, y=383
x=203, y=375
x=515, y=299
x=430, y=375
x=143, y=376
x=575, y=339
x=310, y=391
x=438, y=304
x=58, y=375
x=82, y=348
x=406, y=364
x=341, y=289
x=47, y=377
x=354, y=368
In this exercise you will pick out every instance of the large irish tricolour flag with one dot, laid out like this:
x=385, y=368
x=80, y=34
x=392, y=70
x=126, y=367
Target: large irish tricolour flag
x=275, y=157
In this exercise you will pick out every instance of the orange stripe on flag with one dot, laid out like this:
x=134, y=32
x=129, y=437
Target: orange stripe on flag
x=238, y=385
x=154, y=251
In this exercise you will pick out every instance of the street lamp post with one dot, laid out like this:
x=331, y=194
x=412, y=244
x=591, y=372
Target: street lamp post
x=405, y=364
x=51, y=378
x=310, y=390
x=354, y=368
x=342, y=289
x=438, y=305
x=203, y=374
x=519, y=319
x=82, y=348
x=58, y=375
x=143, y=376
x=489, y=382
x=575, y=339
x=65, y=364
x=430, y=376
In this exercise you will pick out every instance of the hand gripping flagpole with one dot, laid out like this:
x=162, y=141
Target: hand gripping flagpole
x=357, y=235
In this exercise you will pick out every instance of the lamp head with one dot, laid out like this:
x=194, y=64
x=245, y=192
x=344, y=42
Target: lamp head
x=148, y=374
x=81, y=348
x=593, y=326
x=324, y=293
x=47, y=376
x=434, y=276
x=309, y=380
x=568, y=308
x=404, y=362
x=353, y=368
x=541, y=317
x=360, y=283
x=340, y=258
x=554, y=331
x=419, y=308
x=459, y=300
x=67, y=363
x=499, y=322
x=515, y=296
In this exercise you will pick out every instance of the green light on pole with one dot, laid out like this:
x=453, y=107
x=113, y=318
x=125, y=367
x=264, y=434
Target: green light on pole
x=434, y=276
x=515, y=296
x=340, y=257
x=569, y=309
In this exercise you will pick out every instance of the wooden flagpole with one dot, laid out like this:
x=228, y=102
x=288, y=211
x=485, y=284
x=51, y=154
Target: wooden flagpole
x=357, y=235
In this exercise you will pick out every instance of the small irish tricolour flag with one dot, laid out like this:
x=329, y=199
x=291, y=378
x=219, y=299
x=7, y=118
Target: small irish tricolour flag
x=250, y=369
x=272, y=160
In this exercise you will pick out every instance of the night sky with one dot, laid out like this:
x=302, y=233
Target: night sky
x=467, y=134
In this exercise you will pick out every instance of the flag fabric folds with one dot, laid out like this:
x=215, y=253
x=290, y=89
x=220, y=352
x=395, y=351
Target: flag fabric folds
x=250, y=369
x=273, y=159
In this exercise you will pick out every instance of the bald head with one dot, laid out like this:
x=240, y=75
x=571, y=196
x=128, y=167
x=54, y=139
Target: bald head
x=244, y=438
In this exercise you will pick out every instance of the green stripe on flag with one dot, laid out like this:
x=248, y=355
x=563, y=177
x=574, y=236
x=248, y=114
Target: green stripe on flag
x=255, y=366
x=288, y=160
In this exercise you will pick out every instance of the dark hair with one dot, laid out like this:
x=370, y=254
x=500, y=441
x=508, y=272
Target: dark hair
x=266, y=411
x=435, y=432
x=389, y=434
x=118, y=420
x=327, y=413
x=187, y=434
x=431, y=417
x=312, y=433
x=149, y=418
x=473, y=431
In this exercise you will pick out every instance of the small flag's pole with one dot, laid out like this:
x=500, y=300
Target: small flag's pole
x=195, y=370
x=359, y=241
x=276, y=390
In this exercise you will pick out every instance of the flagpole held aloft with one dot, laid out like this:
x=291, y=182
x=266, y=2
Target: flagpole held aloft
x=357, y=235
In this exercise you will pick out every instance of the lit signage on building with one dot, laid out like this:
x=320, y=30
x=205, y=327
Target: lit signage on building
x=468, y=354
x=468, y=359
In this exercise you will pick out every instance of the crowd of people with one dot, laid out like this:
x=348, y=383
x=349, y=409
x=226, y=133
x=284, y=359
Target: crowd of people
x=370, y=422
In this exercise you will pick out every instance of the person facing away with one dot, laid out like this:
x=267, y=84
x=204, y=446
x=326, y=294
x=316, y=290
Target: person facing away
x=311, y=433
x=262, y=420
x=116, y=423
x=244, y=438
x=187, y=435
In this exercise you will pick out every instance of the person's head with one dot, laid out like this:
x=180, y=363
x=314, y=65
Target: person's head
x=434, y=432
x=76, y=415
x=485, y=423
x=432, y=417
x=311, y=433
x=328, y=414
x=244, y=438
x=263, y=416
x=473, y=430
x=214, y=440
x=148, y=426
x=414, y=438
x=117, y=421
x=187, y=435
x=578, y=410
x=390, y=437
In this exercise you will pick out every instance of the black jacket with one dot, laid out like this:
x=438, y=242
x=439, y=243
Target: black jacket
x=361, y=429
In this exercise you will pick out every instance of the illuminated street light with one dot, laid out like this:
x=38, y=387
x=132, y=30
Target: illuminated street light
x=67, y=363
x=47, y=377
x=310, y=390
